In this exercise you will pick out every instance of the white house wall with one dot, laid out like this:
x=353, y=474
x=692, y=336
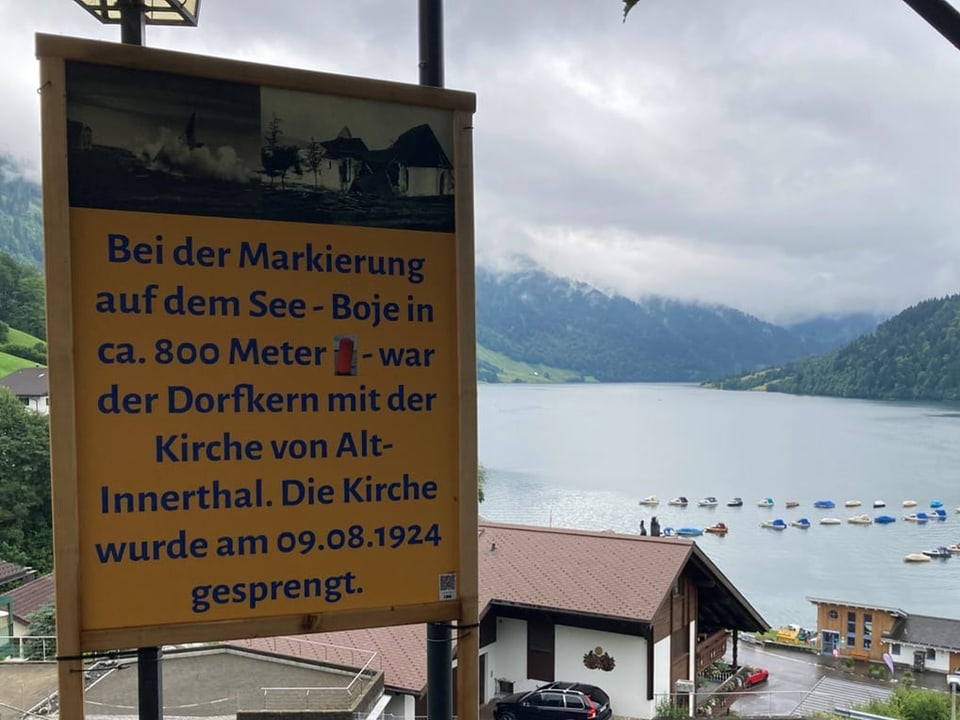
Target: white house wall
x=661, y=670
x=939, y=664
x=507, y=657
x=424, y=182
x=400, y=707
x=626, y=684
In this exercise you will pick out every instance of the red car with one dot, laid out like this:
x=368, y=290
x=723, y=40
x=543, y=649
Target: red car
x=755, y=676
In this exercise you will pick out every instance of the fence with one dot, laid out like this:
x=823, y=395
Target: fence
x=30, y=647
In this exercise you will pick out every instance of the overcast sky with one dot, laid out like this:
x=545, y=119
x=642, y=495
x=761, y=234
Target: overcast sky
x=784, y=157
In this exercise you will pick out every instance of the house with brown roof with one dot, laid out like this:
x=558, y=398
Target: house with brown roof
x=631, y=614
x=26, y=599
x=31, y=386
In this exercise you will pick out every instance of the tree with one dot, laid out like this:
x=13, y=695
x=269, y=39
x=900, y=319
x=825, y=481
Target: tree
x=43, y=626
x=26, y=525
x=277, y=159
x=314, y=157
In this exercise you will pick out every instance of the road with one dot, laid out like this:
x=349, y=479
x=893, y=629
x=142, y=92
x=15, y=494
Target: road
x=801, y=678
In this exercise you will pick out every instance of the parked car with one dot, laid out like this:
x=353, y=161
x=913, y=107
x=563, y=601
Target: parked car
x=755, y=676
x=556, y=701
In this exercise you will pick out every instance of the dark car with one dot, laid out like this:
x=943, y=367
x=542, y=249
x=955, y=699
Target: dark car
x=556, y=701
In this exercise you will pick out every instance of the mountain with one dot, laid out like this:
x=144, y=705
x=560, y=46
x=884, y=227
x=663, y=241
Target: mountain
x=912, y=356
x=542, y=319
x=21, y=222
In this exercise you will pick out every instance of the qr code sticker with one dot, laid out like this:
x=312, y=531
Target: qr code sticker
x=448, y=586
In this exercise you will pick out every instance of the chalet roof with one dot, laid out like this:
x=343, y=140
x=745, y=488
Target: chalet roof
x=31, y=596
x=11, y=572
x=621, y=577
x=602, y=574
x=896, y=612
x=926, y=631
x=27, y=382
x=419, y=147
x=345, y=147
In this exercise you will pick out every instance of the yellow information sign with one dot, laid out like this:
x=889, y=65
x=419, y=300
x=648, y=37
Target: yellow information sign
x=259, y=347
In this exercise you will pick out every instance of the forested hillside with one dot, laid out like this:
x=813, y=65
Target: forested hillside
x=912, y=356
x=21, y=222
x=541, y=319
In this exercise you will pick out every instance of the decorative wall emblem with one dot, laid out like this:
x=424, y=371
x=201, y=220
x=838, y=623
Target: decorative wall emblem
x=597, y=659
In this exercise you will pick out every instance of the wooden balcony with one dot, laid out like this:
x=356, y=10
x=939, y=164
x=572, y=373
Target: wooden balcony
x=710, y=649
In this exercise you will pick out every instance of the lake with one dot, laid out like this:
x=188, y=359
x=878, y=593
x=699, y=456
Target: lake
x=582, y=456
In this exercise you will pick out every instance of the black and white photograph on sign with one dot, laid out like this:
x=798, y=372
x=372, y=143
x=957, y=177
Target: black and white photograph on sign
x=345, y=161
x=154, y=142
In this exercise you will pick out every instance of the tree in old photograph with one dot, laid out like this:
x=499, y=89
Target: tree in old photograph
x=276, y=157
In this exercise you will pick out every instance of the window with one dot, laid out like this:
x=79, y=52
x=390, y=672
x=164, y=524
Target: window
x=851, y=629
x=540, y=649
x=895, y=649
x=833, y=614
x=931, y=654
x=575, y=701
x=867, y=631
x=551, y=699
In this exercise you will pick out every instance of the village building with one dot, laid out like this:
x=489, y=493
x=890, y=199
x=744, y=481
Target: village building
x=637, y=616
x=868, y=632
x=31, y=386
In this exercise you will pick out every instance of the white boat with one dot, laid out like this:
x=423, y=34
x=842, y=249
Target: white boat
x=916, y=558
x=777, y=524
x=852, y=503
x=679, y=500
x=860, y=520
x=708, y=502
x=792, y=503
x=954, y=549
x=879, y=503
x=830, y=521
x=909, y=503
x=766, y=502
x=802, y=523
x=650, y=500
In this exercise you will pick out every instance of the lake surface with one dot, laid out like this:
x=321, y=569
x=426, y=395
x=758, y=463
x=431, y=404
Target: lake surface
x=582, y=456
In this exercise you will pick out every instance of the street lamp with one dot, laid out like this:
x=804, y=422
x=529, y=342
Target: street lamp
x=133, y=15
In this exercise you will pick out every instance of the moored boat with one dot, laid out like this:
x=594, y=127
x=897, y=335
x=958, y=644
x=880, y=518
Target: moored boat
x=802, y=523
x=940, y=514
x=824, y=504
x=689, y=532
x=954, y=549
x=709, y=501
x=909, y=503
x=916, y=558
x=860, y=520
x=679, y=500
x=920, y=517
x=668, y=532
x=767, y=502
x=936, y=503
x=738, y=502
x=777, y=524
x=941, y=553
x=650, y=500
x=793, y=503
x=879, y=504
x=852, y=503
x=717, y=529
x=884, y=519
x=830, y=521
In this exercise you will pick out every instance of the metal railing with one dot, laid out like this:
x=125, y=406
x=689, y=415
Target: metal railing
x=755, y=703
x=28, y=647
